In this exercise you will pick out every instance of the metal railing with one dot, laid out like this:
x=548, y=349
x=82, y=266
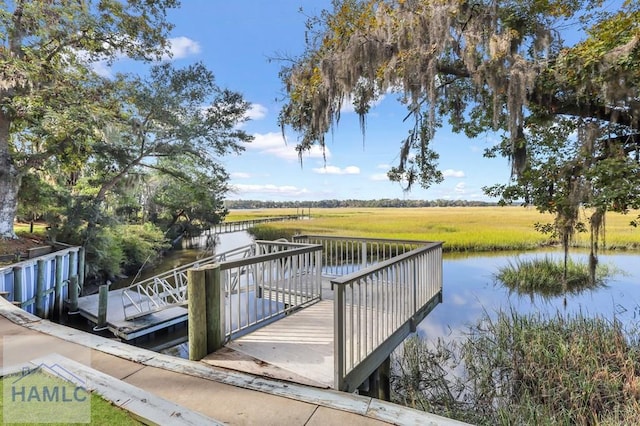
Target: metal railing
x=170, y=288
x=376, y=307
x=345, y=255
x=282, y=278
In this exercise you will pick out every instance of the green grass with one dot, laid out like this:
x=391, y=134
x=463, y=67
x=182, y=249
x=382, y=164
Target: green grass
x=39, y=229
x=102, y=411
x=545, y=276
x=461, y=228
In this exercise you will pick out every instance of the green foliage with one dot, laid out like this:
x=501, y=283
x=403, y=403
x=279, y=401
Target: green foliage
x=105, y=254
x=526, y=369
x=123, y=249
x=141, y=244
x=567, y=114
x=53, y=101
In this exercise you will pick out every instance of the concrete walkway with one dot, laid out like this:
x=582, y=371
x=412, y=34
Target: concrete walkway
x=213, y=393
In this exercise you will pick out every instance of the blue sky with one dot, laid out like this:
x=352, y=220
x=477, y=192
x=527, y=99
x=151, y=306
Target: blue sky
x=235, y=39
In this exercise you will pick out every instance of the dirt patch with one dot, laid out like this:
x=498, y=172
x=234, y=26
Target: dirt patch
x=11, y=250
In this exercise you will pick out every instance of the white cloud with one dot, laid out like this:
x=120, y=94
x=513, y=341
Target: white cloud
x=256, y=112
x=453, y=173
x=460, y=188
x=272, y=143
x=269, y=189
x=333, y=170
x=181, y=47
x=379, y=177
x=240, y=175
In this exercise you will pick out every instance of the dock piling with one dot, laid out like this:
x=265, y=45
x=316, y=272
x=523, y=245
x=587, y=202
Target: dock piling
x=103, y=300
x=73, y=294
x=57, y=305
x=17, y=285
x=214, y=308
x=197, y=306
x=40, y=312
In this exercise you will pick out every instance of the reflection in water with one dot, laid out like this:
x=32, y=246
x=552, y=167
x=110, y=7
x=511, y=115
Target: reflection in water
x=470, y=289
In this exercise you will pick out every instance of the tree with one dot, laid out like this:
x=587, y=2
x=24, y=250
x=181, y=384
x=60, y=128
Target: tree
x=188, y=200
x=177, y=122
x=46, y=81
x=569, y=113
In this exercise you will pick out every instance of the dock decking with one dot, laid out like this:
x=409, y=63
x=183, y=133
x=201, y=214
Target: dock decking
x=130, y=329
x=298, y=346
x=281, y=317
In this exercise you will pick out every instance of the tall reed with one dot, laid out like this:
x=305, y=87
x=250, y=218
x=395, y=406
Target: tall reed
x=526, y=369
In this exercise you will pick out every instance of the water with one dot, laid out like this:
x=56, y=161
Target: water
x=470, y=290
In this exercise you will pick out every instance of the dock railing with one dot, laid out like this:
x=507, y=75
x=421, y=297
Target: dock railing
x=344, y=255
x=280, y=279
x=376, y=307
x=169, y=288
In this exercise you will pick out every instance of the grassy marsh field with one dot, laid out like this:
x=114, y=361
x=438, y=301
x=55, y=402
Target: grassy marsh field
x=461, y=228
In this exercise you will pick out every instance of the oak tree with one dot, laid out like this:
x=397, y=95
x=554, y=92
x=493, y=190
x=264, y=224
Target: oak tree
x=46, y=82
x=558, y=79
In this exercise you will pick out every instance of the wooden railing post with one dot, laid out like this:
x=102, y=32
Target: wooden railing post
x=197, y=307
x=73, y=270
x=338, y=343
x=40, y=290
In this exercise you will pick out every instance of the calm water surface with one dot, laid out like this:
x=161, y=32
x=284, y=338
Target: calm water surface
x=470, y=289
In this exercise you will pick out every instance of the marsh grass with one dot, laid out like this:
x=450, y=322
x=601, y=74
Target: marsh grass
x=545, y=276
x=526, y=369
x=463, y=229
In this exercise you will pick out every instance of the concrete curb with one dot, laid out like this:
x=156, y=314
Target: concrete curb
x=356, y=404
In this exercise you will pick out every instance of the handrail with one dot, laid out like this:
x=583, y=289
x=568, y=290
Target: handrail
x=344, y=255
x=143, y=300
x=265, y=287
x=376, y=307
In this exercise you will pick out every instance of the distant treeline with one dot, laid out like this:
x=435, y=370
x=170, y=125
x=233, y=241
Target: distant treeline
x=384, y=202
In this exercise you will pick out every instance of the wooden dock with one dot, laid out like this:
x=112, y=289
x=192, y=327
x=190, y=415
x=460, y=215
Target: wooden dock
x=296, y=348
x=340, y=336
x=130, y=329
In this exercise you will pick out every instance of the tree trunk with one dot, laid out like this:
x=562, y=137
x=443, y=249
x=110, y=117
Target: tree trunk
x=9, y=183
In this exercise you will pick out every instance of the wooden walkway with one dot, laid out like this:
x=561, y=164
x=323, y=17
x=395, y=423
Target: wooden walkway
x=130, y=329
x=297, y=348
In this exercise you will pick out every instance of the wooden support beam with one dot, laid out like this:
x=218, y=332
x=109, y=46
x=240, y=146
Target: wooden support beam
x=40, y=290
x=58, y=293
x=17, y=285
x=103, y=300
x=73, y=294
x=197, y=306
x=214, y=308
